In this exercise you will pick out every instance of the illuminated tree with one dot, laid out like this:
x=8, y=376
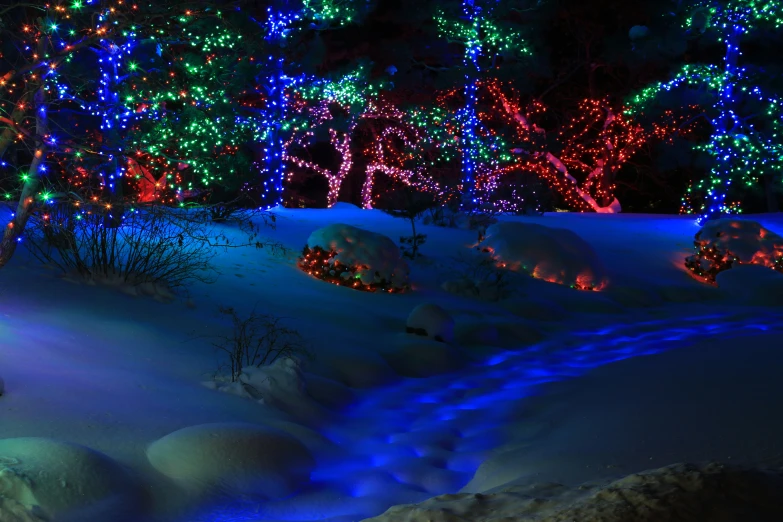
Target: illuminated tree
x=487, y=39
x=745, y=144
x=198, y=131
x=222, y=115
x=332, y=109
x=40, y=116
x=577, y=154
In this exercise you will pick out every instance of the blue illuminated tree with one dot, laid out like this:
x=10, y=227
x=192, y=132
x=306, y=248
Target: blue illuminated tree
x=745, y=144
x=487, y=40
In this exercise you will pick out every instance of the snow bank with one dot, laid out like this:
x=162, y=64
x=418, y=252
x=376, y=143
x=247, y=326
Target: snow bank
x=233, y=457
x=723, y=242
x=358, y=256
x=556, y=255
x=45, y=479
x=681, y=492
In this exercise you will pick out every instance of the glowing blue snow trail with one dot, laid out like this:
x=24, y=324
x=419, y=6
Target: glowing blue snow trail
x=438, y=427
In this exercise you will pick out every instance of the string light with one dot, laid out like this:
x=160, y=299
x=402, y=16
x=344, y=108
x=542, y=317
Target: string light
x=321, y=264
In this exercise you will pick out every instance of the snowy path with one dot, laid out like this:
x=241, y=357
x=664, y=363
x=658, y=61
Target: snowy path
x=425, y=437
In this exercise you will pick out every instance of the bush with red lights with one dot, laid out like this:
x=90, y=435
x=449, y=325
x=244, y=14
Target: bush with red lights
x=723, y=242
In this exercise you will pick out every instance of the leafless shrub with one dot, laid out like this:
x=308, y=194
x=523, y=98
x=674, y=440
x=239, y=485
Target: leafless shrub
x=152, y=245
x=257, y=340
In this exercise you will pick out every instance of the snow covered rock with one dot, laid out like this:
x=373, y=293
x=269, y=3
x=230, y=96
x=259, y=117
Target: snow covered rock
x=45, y=479
x=351, y=256
x=430, y=320
x=681, y=492
x=233, y=457
x=554, y=254
x=722, y=243
x=753, y=285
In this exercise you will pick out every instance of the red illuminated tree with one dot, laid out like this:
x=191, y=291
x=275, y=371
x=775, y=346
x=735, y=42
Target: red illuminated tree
x=588, y=151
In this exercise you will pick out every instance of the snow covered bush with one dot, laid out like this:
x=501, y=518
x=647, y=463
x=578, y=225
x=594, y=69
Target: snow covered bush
x=753, y=285
x=556, y=255
x=722, y=242
x=349, y=256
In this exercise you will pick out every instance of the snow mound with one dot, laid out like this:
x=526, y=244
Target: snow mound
x=556, y=255
x=681, y=492
x=233, y=457
x=753, y=285
x=46, y=479
x=430, y=320
x=723, y=242
x=357, y=256
x=280, y=385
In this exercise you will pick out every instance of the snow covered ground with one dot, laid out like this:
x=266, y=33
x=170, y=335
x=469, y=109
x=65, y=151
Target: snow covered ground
x=105, y=416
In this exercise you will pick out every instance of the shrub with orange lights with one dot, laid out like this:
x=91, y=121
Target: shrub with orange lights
x=723, y=242
x=345, y=255
x=555, y=255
